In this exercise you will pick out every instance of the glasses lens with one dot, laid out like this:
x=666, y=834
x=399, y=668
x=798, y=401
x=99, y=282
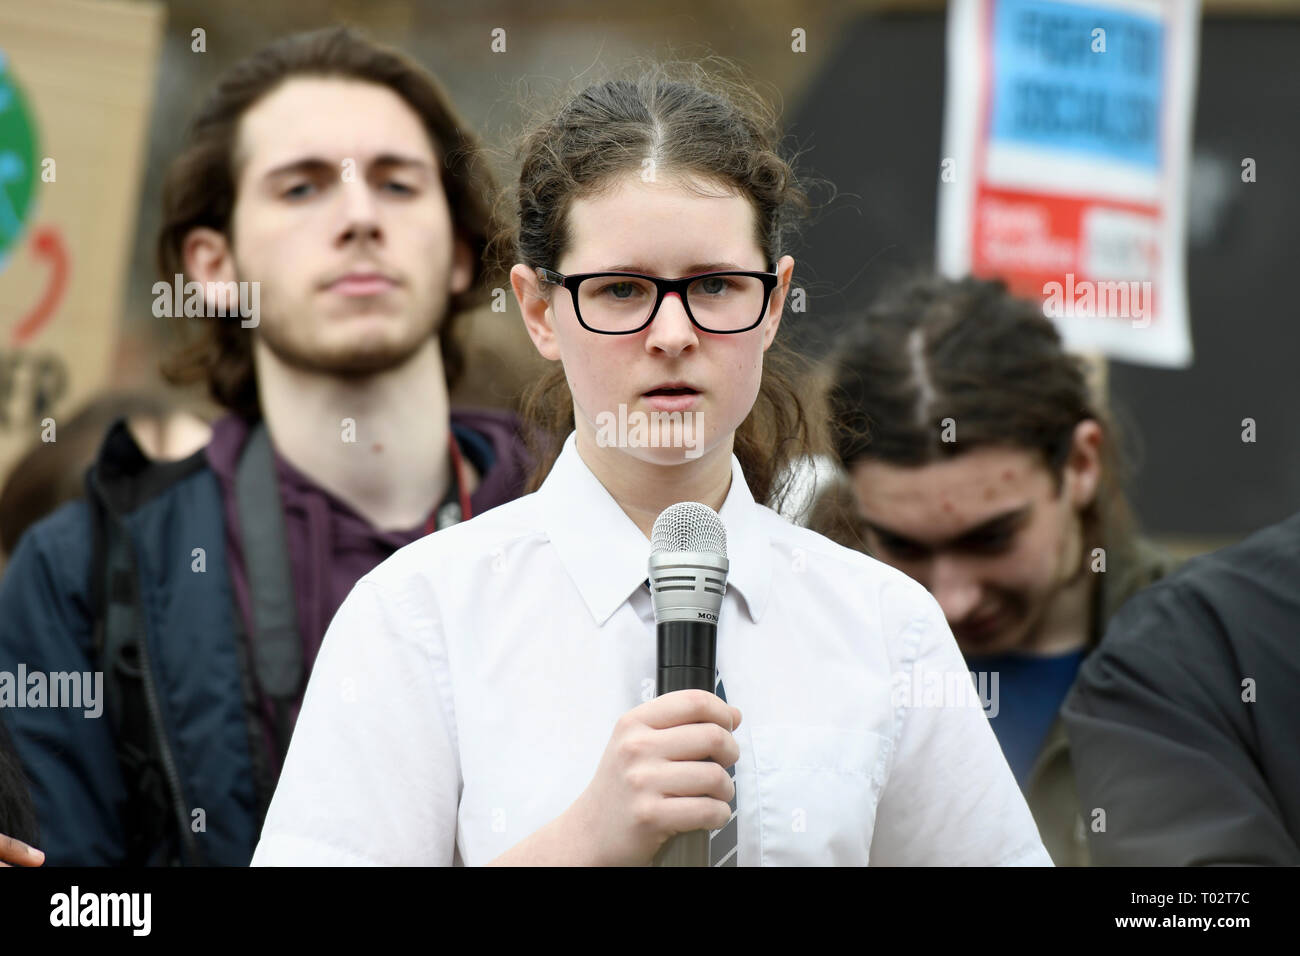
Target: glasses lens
x=726, y=303
x=615, y=303
x=719, y=303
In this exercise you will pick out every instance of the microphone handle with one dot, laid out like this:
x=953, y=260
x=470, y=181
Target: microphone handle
x=687, y=661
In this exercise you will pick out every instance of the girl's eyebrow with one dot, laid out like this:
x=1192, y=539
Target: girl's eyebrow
x=690, y=270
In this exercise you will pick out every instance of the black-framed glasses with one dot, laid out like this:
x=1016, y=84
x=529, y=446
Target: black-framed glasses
x=622, y=303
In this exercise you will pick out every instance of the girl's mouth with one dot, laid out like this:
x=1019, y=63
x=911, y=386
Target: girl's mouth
x=672, y=399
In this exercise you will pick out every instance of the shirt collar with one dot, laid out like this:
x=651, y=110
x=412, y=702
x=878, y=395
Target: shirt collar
x=606, y=554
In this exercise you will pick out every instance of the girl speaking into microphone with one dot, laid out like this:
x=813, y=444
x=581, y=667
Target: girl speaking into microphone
x=487, y=695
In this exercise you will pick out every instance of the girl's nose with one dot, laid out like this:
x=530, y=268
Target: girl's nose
x=671, y=331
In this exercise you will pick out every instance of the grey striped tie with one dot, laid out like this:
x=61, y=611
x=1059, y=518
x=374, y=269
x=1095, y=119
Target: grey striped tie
x=722, y=842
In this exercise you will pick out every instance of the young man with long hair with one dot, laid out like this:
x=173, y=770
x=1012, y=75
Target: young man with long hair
x=335, y=176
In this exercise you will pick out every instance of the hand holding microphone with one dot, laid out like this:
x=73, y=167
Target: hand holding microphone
x=663, y=773
x=662, y=782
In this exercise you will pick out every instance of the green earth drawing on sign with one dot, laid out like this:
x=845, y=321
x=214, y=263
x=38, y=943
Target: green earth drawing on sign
x=17, y=161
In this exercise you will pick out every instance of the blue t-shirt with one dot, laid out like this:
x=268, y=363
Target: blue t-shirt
x=1030, y=690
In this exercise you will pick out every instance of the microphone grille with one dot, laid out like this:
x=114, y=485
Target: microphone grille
x=688, y=526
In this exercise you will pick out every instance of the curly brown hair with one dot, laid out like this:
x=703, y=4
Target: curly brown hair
x=200, y=188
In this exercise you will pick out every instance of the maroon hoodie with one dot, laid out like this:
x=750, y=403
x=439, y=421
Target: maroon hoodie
x=330, y=546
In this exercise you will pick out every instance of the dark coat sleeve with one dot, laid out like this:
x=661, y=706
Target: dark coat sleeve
x=1162, y=739
x=68, y=754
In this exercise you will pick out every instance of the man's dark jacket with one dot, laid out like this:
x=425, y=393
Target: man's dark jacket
x=1185, y=722
x=207, y=729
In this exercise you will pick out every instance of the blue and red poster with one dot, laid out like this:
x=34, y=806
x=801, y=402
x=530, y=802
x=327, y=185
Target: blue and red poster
x=1067, y=135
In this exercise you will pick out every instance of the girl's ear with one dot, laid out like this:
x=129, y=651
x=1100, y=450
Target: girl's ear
x=776, y=304
x=538, y=319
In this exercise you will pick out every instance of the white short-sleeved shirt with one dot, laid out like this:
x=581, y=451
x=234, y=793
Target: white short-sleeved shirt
x=468, y=686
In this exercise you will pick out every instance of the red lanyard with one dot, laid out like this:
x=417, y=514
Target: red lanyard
x=458, y=478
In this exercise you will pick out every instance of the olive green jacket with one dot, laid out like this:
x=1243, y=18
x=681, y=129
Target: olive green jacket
x=1051, y=794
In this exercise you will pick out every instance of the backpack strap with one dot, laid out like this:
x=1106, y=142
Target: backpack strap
x=118, y=630
x=275, y=640
x=263, y=777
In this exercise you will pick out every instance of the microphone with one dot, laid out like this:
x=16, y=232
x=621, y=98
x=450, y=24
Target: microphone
x=688, y=577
